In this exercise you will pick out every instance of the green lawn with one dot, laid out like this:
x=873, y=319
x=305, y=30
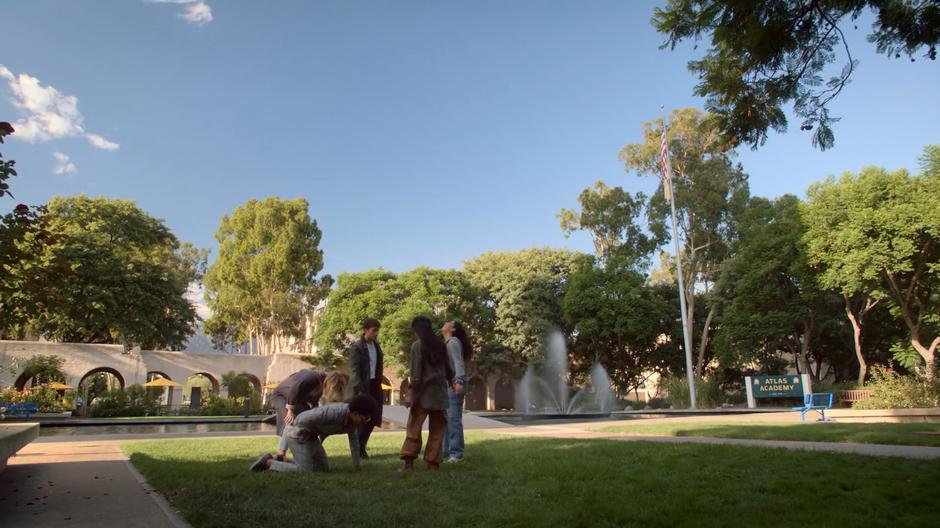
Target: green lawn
x=544, y=483
x=855, y=433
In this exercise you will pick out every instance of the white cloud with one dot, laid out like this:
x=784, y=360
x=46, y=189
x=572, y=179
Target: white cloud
x=195, y=12
x=63, y=165
x=50, y=114
x=198, y=13
x=101, y=142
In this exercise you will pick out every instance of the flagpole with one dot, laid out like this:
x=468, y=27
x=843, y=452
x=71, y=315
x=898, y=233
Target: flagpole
x=670, y=197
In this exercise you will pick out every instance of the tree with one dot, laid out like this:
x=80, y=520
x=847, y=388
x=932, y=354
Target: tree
x=237, y=384
x=522, y=293
x=877, y=235
x=710, y=193
x=610, y=215
x=765, y=54
x=24, y=235
x=394, y=300
x=264, y=282
x=770, y=295
x=6, y=167
x=616, y=320
x=44, y=369
x=99, y=271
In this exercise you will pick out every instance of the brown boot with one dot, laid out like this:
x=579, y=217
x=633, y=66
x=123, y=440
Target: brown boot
x=433, y=467
x=409, y=467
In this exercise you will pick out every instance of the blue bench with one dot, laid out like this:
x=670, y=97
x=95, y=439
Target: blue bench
x=19, y=409
x=819, y=402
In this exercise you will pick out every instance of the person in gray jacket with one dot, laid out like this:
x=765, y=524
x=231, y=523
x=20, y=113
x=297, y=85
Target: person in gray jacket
x=299, y=392
x=306, y=434
x=459, y=351
x=431, y=372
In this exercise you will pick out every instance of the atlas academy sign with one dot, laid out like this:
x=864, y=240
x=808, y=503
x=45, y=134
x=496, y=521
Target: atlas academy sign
x=776, y=386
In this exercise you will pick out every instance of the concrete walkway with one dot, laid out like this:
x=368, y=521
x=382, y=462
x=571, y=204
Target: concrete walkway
x=79, y=483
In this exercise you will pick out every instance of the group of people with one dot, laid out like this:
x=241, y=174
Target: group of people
x=438, y=383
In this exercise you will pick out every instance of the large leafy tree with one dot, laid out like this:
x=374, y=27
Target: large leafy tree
x=877, y=235
x=263, y=286
x=616, y=320
x=765, y=54
x=710, y=192
x=771, y=299
x=522, y=293
x=610, y=215
x=6, y=167
x=393, y=299
x=97, y=270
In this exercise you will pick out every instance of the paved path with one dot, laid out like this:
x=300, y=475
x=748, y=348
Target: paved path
x=87, y=483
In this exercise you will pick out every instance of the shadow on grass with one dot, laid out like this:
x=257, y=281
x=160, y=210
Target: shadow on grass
x=538, y=482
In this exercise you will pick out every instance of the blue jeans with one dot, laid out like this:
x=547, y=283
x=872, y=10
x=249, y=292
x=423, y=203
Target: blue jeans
x=453, y=440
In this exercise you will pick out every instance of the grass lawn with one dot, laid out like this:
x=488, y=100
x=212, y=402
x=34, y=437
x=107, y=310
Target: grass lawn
x=543, y=483
x=855, y=433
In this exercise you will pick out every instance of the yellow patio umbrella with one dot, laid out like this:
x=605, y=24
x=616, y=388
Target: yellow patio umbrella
x=271, y=385
x=388, y=387
x=162, y=382
x=56, y=385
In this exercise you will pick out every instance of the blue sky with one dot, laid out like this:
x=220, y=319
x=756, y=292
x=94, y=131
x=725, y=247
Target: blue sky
x=421, y=133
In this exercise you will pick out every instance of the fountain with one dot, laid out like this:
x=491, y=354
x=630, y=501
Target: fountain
x=543, y=391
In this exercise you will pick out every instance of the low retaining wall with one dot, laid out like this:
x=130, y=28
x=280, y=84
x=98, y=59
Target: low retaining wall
x=931, y=415
x=14, y=437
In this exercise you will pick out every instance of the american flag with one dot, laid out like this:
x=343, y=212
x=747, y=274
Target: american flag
x=667, y=170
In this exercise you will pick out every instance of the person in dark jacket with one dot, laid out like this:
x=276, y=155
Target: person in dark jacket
x=307, y=431
x=301, y=391
x=365, y=366
x=431, y=373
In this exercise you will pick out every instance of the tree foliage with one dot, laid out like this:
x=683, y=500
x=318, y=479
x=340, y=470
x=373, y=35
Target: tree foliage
x=6, y=167
x=238, y=384
x=96, y=270
x=765, y=54
x=522, y=292
x=44, y=369
x=878, y=234
x=710, y=193
x=393, y=299
x=263, y=286
x=616, y=320
x=610, y=215
x=771, y=300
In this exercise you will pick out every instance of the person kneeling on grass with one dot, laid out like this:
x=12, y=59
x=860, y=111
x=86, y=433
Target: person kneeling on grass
x=306, y=434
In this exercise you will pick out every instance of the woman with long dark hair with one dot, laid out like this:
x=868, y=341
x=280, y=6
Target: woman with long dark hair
x=431, y=372
x=459, y=351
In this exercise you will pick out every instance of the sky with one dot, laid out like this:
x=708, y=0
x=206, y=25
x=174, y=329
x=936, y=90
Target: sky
x=420, y=132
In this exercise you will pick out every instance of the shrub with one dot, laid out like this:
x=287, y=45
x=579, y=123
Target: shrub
x=134, y=401
x=46, y=400
x=709, y=393
x=894, y=391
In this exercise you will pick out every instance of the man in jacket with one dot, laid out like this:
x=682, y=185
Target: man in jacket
x=365, y=366
x=306, y=434
x=299, y=392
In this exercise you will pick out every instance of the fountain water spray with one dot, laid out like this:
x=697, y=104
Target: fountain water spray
x=544, y=390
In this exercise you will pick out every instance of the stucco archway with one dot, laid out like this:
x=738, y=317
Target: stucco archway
x=504, y=397
x=476, y=394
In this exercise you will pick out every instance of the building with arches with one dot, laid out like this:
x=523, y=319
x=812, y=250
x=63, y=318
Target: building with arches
x=491, y=392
